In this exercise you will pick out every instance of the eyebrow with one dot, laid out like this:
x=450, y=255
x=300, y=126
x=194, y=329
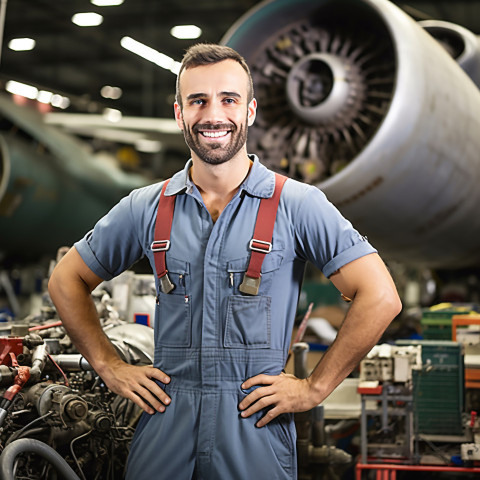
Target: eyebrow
x=194, y=96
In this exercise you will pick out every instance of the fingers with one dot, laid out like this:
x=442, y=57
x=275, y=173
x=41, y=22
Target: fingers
x=139, y=385
x=152, y=397
x=260, y=399
x=158, y=374
x=268, y=417
x=255, y=400
x=258, y=380
x=279, y=394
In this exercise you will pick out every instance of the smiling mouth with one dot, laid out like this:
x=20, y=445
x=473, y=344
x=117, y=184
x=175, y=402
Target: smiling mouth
x=215, y=134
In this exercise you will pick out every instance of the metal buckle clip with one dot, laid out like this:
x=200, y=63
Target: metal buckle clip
x=250, y=285
x=261, y=249
x=166, y=286
x=160, y=245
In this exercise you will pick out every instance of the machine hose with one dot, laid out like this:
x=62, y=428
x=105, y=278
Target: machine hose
x=30, y=445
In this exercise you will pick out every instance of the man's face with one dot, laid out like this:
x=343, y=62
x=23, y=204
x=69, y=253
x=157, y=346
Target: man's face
x=215, y=115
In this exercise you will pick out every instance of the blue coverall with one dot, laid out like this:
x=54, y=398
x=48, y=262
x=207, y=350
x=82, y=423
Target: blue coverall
x=209, y=337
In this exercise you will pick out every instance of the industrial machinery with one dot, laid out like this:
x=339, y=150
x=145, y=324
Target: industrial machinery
x=54, y=405
x=358, y=98
x=413, y=409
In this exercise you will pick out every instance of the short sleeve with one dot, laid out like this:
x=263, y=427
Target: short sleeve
x=112, y=246
x=324, y=237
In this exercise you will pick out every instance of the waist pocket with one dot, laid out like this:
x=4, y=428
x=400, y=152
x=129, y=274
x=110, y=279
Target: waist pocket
x=248, y=322
x=282, y=436
x=174, y=326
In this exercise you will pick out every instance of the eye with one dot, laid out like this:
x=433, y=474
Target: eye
x=229, y=100
x=197, y=101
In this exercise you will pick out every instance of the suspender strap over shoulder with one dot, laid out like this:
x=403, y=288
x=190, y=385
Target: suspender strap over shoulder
x=161, y=243
x=261, y=243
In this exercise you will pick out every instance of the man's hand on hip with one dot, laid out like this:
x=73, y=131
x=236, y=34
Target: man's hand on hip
x=280, y=393
x=138, y=384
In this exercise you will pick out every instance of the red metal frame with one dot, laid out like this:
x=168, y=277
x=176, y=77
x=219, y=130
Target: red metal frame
x=386, y=471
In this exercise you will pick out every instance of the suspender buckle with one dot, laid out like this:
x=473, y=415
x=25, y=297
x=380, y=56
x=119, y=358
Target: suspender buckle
x=250, y=285
x=166, y=286
x=260, y=246
x=160, y=245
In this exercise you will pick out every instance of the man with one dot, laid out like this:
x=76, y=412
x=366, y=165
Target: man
x=217, y=403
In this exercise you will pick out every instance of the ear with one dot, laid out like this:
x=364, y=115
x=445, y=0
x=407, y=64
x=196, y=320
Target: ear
x=178, y=115
x=252, y=112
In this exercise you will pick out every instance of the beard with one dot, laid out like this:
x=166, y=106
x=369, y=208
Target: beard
x=215, y=153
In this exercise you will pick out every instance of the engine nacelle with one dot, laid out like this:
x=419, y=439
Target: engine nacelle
x=357, y=98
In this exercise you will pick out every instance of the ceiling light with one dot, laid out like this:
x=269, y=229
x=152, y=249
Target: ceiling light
x=111, y=92
x=186, y=31
x=150, y=54
x=87, y=19
x=21, y=44
x=106, y=3
x=22, y=89
x=60, y=101
x=112, y=115
x=43, y=96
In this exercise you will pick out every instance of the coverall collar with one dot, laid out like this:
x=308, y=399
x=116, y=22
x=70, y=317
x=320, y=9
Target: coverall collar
x=259, y=183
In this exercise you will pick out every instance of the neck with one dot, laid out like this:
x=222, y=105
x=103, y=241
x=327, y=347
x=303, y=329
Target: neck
x=219, y=183
x=220, y=179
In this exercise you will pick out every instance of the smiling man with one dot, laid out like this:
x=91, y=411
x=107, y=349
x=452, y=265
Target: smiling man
x=217, y=405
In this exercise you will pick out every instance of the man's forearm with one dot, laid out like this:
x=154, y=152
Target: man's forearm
x=366, y=320
x=75, y=306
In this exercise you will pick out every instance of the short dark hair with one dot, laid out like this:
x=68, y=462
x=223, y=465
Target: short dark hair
x=207, y=54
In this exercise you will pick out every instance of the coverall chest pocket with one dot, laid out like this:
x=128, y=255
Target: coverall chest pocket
x=248, y=322
x=174, y=326
x=248, y=319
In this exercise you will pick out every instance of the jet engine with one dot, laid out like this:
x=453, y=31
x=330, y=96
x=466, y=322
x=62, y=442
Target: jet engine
x=357, y=98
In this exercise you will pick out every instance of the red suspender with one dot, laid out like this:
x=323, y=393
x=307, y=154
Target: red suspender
x=260, y=245
x=161, y=243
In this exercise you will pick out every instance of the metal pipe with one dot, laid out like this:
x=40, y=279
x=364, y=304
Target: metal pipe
x=72, y=362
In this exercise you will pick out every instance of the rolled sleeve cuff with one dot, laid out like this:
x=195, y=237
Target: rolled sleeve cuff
x=353, y=253
x=83, y=248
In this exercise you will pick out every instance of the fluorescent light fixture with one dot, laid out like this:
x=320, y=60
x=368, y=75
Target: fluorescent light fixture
x=186, y=31
x=111, y=92
x=21, y=44
x=43, y=96
x=150, y=54
x=106, y=3
x=60, y=101
x=22, y=89
x=87, y=19
x=112, y=115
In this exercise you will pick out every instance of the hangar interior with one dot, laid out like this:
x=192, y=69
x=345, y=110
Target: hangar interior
x=374, y=102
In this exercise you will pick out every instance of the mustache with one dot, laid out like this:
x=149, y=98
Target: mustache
x=213, y=126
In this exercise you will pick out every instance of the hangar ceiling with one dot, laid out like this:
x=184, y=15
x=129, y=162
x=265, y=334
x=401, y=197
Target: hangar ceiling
x=78, y=61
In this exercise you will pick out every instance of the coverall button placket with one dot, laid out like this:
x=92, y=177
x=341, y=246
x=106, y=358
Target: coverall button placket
x=210, y=344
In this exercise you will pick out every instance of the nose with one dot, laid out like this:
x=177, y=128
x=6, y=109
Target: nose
x=213, y=112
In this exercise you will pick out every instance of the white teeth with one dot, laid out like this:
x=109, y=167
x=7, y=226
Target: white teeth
x=220, y=133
